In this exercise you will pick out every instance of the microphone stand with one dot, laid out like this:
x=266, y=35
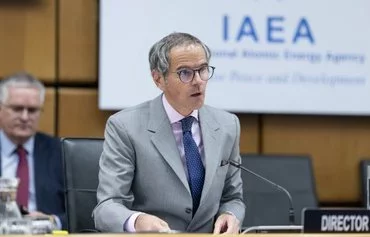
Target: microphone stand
x=291, y=209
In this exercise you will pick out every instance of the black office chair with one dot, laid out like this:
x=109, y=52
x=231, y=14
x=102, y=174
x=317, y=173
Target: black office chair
x=265, y=204
x=364, y=163
x=81, y=166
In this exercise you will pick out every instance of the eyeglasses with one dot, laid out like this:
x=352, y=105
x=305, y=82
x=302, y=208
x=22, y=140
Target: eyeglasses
x=186, y=75
x=18, y=109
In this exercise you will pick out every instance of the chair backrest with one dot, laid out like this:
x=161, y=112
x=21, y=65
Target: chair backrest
x=81, y=166
x=364, y=163
x=265, y=204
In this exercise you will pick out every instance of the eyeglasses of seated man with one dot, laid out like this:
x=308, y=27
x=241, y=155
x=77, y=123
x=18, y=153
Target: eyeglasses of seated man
x=186, y=75
x=19, y=109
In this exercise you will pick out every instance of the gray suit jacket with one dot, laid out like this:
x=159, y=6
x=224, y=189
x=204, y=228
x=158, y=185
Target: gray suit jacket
x=141, y=170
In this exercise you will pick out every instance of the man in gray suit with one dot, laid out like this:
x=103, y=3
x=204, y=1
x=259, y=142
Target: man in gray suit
x=165, y=163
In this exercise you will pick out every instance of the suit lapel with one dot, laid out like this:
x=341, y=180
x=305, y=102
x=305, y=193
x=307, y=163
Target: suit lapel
x=40, y=167
x=164, y=140
x=210, y=129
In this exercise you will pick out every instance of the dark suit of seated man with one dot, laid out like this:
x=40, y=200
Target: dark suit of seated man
x=35, y=158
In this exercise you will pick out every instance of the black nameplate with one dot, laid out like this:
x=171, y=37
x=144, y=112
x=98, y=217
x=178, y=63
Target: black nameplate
x=336, y=221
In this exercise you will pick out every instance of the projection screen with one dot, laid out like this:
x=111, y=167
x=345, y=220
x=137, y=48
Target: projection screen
x=271, y=56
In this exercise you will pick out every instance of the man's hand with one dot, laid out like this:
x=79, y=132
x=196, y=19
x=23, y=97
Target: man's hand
x=226, y=224
x=150, y=223
x=37, y=214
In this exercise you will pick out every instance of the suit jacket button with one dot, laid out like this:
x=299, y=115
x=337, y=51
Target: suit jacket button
x=188, y=210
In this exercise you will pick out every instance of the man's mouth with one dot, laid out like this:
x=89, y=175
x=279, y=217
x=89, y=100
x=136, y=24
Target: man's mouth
x=23, y=126
x=196, y=94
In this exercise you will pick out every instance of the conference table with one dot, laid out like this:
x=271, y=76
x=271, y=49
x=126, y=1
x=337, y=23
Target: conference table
x=205, y=235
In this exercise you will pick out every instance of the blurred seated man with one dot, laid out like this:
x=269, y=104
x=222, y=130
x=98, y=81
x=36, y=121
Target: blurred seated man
x=33, y=157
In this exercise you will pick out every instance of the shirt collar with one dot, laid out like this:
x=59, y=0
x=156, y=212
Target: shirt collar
x=8, y=146
x=172, y=114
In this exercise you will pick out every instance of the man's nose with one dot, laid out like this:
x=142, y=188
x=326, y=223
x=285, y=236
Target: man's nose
x=25, y=114
x=197, y=79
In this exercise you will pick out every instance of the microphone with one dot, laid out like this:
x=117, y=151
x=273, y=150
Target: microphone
x=291, y=209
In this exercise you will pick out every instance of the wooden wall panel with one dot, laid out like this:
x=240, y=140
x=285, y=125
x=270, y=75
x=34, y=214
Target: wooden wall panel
x=47, y=120
x=249, y=133
x=79, y=115
x=27, y=39
x=335, y=143
x=78, y=41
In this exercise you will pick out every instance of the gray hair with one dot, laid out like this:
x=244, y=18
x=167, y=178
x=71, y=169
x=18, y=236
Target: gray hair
x=159, y=53
x=20, y=80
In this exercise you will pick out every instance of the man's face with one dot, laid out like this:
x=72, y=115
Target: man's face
x=184, y=97
x=20, y=113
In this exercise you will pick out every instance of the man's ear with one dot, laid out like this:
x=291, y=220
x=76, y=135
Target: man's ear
x=158, y=79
